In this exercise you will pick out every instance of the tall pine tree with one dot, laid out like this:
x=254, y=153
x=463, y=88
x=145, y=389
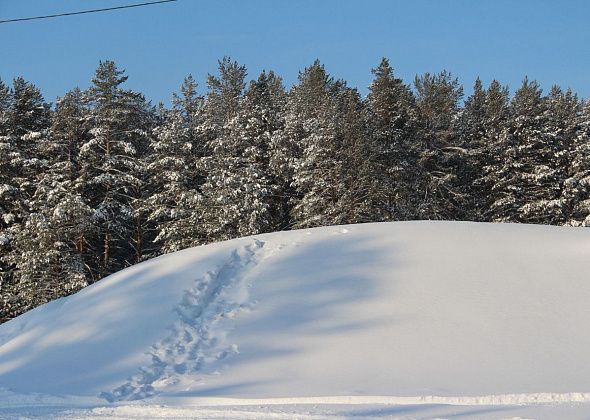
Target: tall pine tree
x=392, y=122
x=176, y=204
x=110, y=166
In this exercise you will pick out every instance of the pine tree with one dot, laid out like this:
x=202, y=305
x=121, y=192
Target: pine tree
x=471, y=130
x=576, y=192
x=8, y=154
x=530, y=181
x=25, y=120
x=239, y=184
x=311, y=130
x=109, y=166
x=5, y=104
x=8, y=191
x=62, y=224
x=488, y=156
x=176, y=203
x=70, y=130
x=224, y=95
x=559, y=134
x=392, y=122
x=25, y=117
x=480, y=129
x=364, y=195
x=442, y=161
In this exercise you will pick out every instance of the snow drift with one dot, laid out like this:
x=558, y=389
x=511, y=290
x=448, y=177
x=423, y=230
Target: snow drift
x=412, y=312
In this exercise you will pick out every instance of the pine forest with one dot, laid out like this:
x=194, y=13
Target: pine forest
x=103, y=179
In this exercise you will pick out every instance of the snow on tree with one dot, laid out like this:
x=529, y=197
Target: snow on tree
x=392, y=121
x=241, y=193
x=61, y=221
x=442, y=160
x=25, y=119
x=110, y=169
x=484, y=134
x=576, y=193
x=239, y=185
x=175, y=205
x=311, y=126
x=105, y=181
x=363, y=194
x=531, y=177
x=324, y=142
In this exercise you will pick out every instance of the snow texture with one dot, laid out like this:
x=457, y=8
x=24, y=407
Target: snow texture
x=192, y=343
x=390, y=320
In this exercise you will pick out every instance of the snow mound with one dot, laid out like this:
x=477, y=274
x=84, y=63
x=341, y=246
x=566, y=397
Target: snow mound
x=391, y=313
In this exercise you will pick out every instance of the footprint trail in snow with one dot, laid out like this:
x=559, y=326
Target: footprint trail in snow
x=194, y=343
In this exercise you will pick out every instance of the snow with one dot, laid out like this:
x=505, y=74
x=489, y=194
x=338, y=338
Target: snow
x=390, y=320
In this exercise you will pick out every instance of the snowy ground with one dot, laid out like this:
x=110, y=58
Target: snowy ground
x=400, y=320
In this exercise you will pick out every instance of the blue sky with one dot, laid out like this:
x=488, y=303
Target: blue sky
x=159, y=45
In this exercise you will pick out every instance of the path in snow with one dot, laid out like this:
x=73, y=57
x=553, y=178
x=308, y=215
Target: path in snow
x=193, y=343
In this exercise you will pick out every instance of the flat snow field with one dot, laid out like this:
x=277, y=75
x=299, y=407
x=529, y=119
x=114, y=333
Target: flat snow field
x=409, y=320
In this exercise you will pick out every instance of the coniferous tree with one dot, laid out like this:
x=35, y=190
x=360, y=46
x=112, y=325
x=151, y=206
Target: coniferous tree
x=25, y=123
x=58, y=245
x=561, y=127
x=311, y=129
x=176, y=203
x=487, y=157
x=576, y=192
x=110, y=166
x=526, y=109
x=103, y=181
x=223, y=97
x=240, y=186
x=530, y=181
x=363, y=194
x=26, y=120
x=8, y=192
x=7, y=168
x=5, y=104
x=46, y=253
x=392, y=122
x=471, y=131
x=442, y=161
x=225, y=93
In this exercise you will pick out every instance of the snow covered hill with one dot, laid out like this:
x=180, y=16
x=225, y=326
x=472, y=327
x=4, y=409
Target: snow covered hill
x=391, y=320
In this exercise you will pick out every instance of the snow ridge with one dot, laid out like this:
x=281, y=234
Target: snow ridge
x=485, y=400
x=192, y=343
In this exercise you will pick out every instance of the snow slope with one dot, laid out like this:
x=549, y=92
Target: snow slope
x=400, y=320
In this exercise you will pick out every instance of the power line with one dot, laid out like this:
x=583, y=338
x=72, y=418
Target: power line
x=129, y=6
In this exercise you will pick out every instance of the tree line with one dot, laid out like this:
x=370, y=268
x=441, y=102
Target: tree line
x=104, y=179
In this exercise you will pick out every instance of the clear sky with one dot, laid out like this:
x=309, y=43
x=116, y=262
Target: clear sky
x=159, y=45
